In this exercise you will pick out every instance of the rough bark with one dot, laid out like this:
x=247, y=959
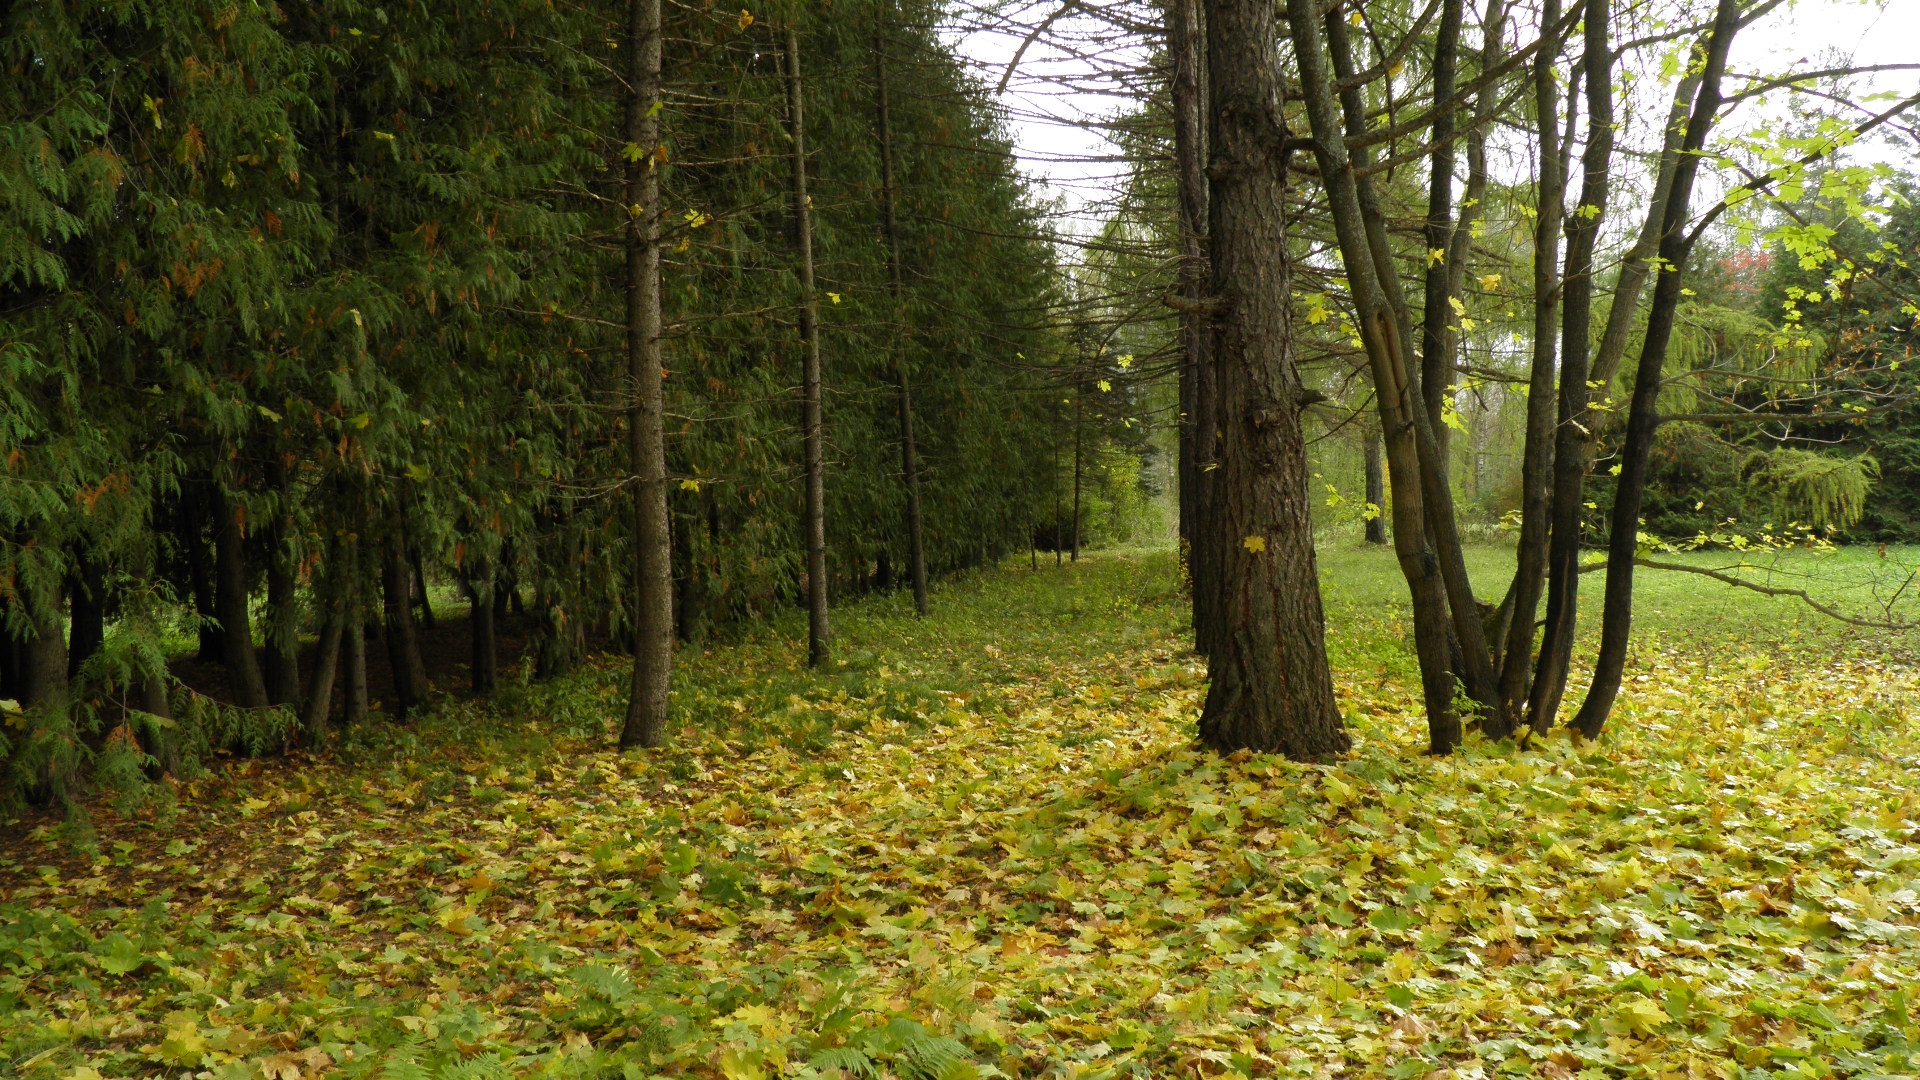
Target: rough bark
x=410, y=685
x=1376, y=531
x=814, y=516
x=1198, y=386
x=896, y=265
x=1572, y=417
x=1270, y=687
x=230, y=604
x=647, y=701
x=1536, y=463
x=1616, y=622
x=1400, y=408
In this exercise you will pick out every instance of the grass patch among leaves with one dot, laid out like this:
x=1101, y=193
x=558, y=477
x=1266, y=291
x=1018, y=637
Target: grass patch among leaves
x=985, y=845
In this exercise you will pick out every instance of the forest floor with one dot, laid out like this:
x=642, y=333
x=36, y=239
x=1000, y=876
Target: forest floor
x=985, y=844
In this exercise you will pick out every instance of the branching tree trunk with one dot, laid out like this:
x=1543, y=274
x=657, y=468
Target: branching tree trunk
x=814, y=516
x=1442, y=523
x=1436, y=315
x=1536, y=469
x=647, y=700
x=1643, y=417
x=1271, y=688
x=1573, y=419
x=904, y=336
x=1399, y=406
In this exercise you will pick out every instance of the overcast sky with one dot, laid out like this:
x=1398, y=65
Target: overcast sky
x=1052, y=93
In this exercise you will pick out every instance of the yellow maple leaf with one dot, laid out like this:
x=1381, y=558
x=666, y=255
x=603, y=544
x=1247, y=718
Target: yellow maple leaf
x=1255, y=544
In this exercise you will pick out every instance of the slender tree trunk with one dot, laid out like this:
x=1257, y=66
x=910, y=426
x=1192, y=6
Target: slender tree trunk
x=1536, y=469
x=194, y=517
x=1436, y=344
x=326, y=663
x=1199, y=386
x=230, y=600
x=282, y=656
x=1437, y=511
x=1616, y=623
x=819, y=632
x=647, y=702
x=1073, y=536
x=418, y=585
x=1270, y=687
x=87, y=607
x=410, y=685
x=1401, y=409
x=909, y=449
x=1572, y=418
x=357, y=704
x=1376, y=491
x=1460, y=243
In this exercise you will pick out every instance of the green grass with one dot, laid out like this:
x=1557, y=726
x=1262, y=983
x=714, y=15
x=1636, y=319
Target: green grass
x=983, y=842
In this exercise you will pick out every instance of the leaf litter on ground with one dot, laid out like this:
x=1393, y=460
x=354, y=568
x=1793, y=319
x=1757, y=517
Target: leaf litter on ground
x=987, y=846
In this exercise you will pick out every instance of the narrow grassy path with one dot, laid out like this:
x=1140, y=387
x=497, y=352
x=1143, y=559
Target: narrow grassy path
x=985, y=844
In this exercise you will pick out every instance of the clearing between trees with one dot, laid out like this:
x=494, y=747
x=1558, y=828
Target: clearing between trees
x=984, y=844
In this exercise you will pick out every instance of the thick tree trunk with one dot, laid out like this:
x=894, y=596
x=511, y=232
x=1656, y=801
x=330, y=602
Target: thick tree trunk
x=814, y=524
x=909, y=447
x=410, y=685
x=43, y=653
x=1475, y=658
x=1536, y=468
x=230, y=600
x=87, y=611
x=1376, y=532
x=1199, y=387
x=1401, y=409
x=282, y=659
x=1270, y=687
x=647, y=700
x=1572, y=418
x=1616, y=623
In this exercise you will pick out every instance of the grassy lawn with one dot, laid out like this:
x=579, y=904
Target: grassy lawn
x=984, y=844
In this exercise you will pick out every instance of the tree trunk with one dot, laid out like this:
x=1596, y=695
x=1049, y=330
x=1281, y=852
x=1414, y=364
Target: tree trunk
x=1270, y=687
x=194, y=515
x=819, y=632
x=1436, y=314
x=485, y=664
x=909, y=448
x=87, y=607
x=230, y=600
x=1536, y=468
x=43, y=654
x=326, y=664
x=1401, y=409
x=1073, y=535
x=1572, y=419
x=419, y=586
x=153, y=701
x=1199, y=387
x=282, y=659
x=410, y=685
x=647, y=700
x=354, y=711
x=1616, y=623
x=1376, y=491
x=1437, y=512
